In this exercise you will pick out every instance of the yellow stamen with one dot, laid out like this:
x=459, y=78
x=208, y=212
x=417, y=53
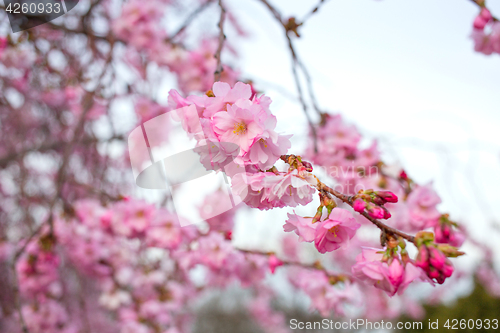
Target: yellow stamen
x=334, y=230
x=240, y=128
x=264, y=142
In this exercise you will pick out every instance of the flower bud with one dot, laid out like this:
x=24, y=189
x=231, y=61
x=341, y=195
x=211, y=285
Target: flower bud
x=423, y=237
x=485, y=13
x=446, y=233
x=328, y=202
x=377, y=200
x=318, y=214
x=436, y=258
x=422, y=259
x=359, y=205
x=307, y=165
x=450, y=251
x=434, y=263
x=480, y=22
x=387, y=214
x=376, y=212
x=274, y=262
x=387, y=196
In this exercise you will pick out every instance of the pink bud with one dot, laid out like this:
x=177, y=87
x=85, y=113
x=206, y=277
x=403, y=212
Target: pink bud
x=447, y=269
x=437, y=258
x=378, y=200
x=446, y=234
x=359, y=205
x=422, y=260
x=433, y=274
x=274, y=262
x=387, y=196
x=387, y=214
x=307, y=165
x=485, y=13
x=479, y=23
x=376, y=212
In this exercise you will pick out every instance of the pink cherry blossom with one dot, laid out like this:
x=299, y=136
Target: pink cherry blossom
x=393, y=277
x=292, y=188
x=335, y=231
x=238, y=126
x=266, y=190
x=268, y=149
x=215, y=250
x=302, y=226
x=422, y=202
x=225, y=95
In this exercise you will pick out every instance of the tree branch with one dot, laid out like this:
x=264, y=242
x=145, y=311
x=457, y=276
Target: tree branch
x=314, y=11
x=222, y=38
x=348, y=200
x=190, y=19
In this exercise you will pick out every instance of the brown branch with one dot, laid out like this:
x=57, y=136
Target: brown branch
x=314, y=11
x=19, y=252
x=273, y=10
x=300, y=93
x=482, y=4
x=297, y=63
x=17, y=298
x=222, y=38
x=348, y=200
x=87, y=103
x=190, y=19
x=316, y=265
x=45, y=147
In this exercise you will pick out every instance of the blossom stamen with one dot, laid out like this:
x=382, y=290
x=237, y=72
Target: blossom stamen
x=240, y=128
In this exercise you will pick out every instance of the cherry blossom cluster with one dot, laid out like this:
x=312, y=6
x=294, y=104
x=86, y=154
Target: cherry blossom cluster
x=486, y=33
x=238, y=135
x=373, y=202
x=115, y=247
x=86, y=256
x=233, y=122
x=140, y=26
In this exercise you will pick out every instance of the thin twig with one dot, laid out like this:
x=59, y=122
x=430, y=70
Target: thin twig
x=301, y=94
x=273, y=10
x=297, y=63
x=30, y=238
x=316, y=265
x=314, y=11
x=348, y=200
x=312, y=95
x=190, y=19
x=222, y=38
x=17, y=298
x=482, y=4
x=45, y=147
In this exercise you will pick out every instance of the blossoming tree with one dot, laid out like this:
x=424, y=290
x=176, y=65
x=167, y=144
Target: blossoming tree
x=79, y=253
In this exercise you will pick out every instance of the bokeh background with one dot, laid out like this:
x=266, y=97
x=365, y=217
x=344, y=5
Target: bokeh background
x=405, y=73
